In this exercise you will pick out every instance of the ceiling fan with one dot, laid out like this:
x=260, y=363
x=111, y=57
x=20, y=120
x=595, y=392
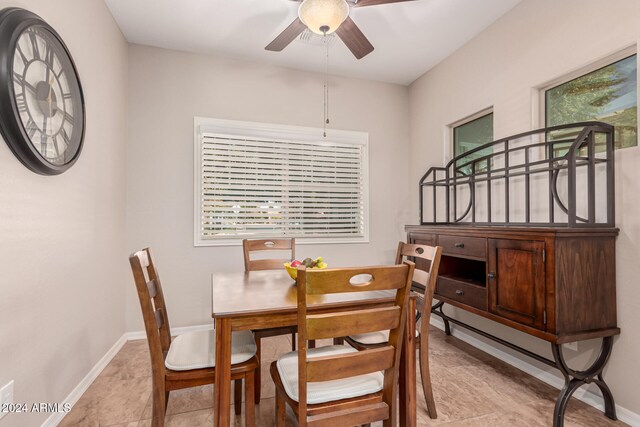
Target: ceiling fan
x=325, y=17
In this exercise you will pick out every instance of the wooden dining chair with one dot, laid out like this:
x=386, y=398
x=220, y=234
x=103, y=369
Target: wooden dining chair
x=427, y=257
x=338, y=385
x=250, y=246
x=187, y=360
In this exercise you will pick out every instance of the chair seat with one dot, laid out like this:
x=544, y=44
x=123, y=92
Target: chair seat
x=379, y=337
x=327, y=391
x=196, y=350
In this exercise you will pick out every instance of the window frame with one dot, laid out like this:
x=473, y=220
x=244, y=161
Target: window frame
x=479, y=115
x=449, y=151
x=277, y=132
x=580, y=72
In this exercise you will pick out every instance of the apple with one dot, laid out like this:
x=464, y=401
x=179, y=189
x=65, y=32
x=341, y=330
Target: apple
x=295, y=263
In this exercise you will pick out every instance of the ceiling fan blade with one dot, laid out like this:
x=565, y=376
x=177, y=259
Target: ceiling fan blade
x=363, y=3
x=287, y=36
x=351, y=35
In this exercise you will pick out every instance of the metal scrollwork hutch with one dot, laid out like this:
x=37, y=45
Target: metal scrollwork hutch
x=527, y=227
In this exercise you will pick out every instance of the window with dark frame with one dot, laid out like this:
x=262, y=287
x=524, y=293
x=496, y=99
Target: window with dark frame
x=470, y=135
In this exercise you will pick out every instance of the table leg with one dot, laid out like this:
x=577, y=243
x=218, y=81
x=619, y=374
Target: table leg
x=222, y=386
x=408, y=398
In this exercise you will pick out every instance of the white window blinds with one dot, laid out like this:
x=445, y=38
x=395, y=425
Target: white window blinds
x=254, y=186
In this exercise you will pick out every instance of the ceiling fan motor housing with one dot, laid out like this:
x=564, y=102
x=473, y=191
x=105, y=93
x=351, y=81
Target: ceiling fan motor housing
x=323, y=16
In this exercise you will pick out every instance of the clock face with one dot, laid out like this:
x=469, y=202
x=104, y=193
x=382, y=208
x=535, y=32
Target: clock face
x=41, y=98
x=47, y=95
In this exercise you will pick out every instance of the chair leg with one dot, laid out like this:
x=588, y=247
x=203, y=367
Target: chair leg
x=258, y=374
x=159, y=397
x=249, y=404
x=338, y=341
x=425, y=372
x=281, y=410
x=293, y=341
x=237, y=396
x=312, y=344
x=166, y=401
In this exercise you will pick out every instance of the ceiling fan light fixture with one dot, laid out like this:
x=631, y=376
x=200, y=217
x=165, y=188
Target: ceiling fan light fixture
x=323, y=16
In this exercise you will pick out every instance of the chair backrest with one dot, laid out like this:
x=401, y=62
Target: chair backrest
x=369, y=316
x=255, y=245
x=427, y=259
x=154, y=311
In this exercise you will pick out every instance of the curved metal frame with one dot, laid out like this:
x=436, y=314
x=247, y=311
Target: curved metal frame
x=575, y=379
x=570, y=161
x=556, y=196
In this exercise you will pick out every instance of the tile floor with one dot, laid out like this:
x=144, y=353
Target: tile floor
x=471, y=389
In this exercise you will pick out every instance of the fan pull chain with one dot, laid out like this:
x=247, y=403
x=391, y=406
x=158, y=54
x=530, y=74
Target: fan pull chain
x=326, y=86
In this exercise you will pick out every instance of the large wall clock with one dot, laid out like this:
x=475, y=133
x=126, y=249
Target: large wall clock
x=42, y=115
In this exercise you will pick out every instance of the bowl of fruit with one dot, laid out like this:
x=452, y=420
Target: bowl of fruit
x=292, y=267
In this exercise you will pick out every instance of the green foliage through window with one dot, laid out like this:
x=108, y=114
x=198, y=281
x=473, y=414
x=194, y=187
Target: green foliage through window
x=608, y=94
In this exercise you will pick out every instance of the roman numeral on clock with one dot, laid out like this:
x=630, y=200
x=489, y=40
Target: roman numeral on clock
x=65, y=137
x=55, y=145
x=22, y=55
x=48, y=56
x=34, y=44
x=21, y=103
x=31, y=128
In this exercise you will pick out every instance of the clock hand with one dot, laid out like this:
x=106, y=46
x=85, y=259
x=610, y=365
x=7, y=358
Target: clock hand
x=29, y=86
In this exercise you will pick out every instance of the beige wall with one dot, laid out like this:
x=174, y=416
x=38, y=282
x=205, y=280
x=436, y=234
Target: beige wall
x=62, y=241
x=168, y=88
x=534, y=43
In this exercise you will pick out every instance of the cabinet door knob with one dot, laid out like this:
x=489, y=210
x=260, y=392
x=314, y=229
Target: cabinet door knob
x=459, y=292
x=459, y=245
x=491, y=275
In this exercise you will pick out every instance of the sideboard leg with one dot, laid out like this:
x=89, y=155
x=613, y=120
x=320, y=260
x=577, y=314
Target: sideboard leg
x=437, y=309
x=575, y=379
x=563, y=401
x=609, y=403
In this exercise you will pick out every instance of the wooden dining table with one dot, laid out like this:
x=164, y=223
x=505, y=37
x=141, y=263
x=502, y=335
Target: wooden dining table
x=268, y=299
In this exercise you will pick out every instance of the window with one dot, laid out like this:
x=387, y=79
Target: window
x=259, y=180
x=607, y=94
x=473, y=133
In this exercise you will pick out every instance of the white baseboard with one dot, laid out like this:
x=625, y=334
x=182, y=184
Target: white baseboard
x=81, y=388
x=73, y=397
x=588, y=397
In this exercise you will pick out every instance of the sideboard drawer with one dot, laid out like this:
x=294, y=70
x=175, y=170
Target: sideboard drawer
x=423, y=239
x=464, y=246
x=475, y=296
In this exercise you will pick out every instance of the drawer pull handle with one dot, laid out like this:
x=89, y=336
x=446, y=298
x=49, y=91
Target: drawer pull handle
x=459, y=245
x=459, y=292
x=491, y=276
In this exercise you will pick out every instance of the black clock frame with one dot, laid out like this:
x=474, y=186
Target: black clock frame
x=13, y=21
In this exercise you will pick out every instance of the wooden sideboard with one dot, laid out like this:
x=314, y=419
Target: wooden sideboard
x=557, y=284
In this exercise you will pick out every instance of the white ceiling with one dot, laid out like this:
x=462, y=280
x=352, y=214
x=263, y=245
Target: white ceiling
x=409, y=37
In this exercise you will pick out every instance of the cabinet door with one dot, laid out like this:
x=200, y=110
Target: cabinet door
x=517, y=281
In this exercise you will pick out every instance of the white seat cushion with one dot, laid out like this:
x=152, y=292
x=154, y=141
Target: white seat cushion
x=196, y=350
x=378, y=337
x=327, y=391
